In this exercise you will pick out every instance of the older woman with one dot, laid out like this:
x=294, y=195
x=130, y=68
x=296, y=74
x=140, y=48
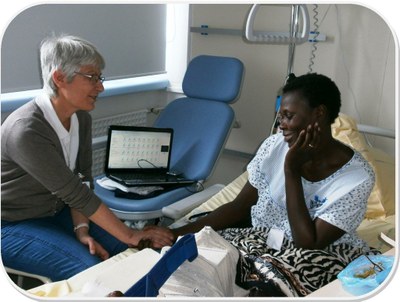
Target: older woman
x=46, y=196
x=306, y=195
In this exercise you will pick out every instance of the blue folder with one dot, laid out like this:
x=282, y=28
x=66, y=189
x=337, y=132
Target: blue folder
x=149, y=285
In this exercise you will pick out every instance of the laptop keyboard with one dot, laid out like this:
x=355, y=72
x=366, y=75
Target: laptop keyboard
x=144, y=179
x=139, y=176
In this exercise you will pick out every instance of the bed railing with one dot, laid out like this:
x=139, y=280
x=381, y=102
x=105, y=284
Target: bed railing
x=367, y=129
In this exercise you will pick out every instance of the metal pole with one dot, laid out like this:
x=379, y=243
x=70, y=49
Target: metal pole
x=294, y=25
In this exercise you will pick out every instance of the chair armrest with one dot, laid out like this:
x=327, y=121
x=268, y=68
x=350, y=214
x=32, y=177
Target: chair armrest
x=184, y=206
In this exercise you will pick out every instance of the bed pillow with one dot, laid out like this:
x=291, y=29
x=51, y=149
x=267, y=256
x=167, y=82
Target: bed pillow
x=385, y=168
x=370, y=230
x=345, y=130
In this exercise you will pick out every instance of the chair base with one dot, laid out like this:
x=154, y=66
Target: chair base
x=21, y=275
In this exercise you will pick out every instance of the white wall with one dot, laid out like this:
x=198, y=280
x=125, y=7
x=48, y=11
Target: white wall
x=359, y=55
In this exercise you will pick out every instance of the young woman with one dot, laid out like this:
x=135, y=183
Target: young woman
x=306, y=195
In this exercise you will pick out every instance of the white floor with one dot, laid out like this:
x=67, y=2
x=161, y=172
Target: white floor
x=229, y=166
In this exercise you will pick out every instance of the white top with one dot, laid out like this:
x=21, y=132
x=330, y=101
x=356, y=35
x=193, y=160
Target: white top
x=69, y=139
x=340, y=199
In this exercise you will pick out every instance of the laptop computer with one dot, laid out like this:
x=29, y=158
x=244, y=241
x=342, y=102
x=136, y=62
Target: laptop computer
x=140, y=156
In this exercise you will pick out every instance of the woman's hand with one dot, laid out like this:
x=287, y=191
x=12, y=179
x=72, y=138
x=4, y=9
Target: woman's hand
x=157, y=236
x=151, y=236
x=95, y=248
x=300, y=152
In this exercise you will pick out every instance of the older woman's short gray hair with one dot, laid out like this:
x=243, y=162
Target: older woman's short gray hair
x=67, y=54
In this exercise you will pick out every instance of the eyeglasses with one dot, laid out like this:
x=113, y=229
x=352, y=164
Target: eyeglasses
x=92, y=77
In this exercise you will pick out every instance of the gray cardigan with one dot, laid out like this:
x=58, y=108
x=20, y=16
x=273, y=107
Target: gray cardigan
x=35, y=180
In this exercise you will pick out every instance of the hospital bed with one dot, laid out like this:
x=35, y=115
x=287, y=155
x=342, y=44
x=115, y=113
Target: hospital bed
x=379, y=219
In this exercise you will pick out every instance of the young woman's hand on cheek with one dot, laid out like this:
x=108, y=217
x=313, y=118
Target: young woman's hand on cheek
x=313, y=136
x=300, y=152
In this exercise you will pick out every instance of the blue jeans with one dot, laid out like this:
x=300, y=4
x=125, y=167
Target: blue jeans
x=48, y=246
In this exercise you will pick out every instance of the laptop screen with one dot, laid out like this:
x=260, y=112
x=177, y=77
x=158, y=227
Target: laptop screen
x=138, y=148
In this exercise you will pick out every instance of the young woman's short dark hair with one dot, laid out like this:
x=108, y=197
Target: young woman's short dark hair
x=318, y=90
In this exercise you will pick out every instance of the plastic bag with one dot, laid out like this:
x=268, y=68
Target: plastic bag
x=211, y=274
x=360, y=276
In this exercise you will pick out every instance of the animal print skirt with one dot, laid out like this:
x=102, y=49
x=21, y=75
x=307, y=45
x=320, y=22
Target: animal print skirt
x=289, y=271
